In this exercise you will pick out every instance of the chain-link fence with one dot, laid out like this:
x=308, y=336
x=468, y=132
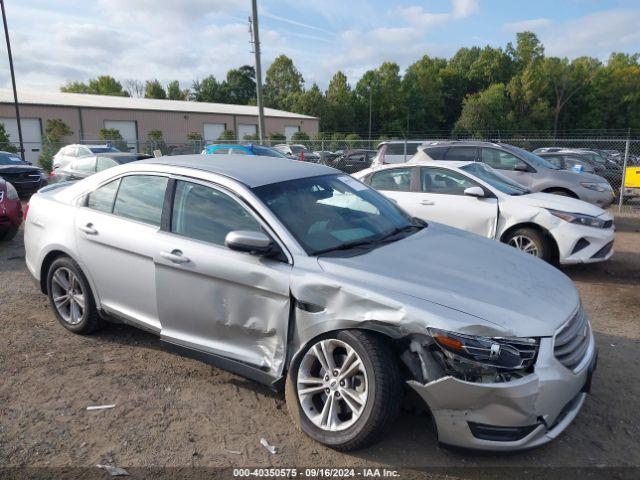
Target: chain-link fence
x=614, y=158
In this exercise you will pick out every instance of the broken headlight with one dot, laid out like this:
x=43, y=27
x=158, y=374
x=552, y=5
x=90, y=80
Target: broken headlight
x=502, y=353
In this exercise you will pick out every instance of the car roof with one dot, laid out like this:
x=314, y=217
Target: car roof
x=438, y=163
x=228, y=145
x=251, y=170
x=471, y=143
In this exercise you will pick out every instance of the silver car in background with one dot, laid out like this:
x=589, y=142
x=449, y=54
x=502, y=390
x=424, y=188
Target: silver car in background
x=299, y=276
x=524, y=167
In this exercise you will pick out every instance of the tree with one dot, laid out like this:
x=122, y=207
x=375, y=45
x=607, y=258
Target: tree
x=240, y=86
x=422, y=90
x=195, y=141
x=134, y=88
x=485, y=111
x=55, y=131
x=103, y=85
x=353, y=140
x=114, y=137
x=312, y=102
x=5, y=141
x=339, y=113
x=155, y=141
x=174, y=92
x=528, y=49
x=566, y=80
x=154, y=89
x=207, y=90
x=283, y=82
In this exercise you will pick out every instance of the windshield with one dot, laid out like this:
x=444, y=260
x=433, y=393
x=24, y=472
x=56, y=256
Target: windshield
x=297, y=148
x=333, y=212
x=10, y=159
x=533, y=158
x=495, y=179
x=103, y=149
x=267, y=152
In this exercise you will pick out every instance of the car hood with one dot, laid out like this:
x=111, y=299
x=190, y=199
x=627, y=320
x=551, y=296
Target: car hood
x=18, y=169
x=558, y=202
x=518, y=293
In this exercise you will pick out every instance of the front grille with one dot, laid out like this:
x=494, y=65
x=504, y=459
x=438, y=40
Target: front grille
x=604, y=251
x=572, y=340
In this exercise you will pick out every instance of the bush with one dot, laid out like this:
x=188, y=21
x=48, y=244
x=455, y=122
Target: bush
x=300, y=136
x=114, y=138
x=277, y=137
x=155, y=141
x=5, y=141
x=353, y=140
x=54, y=132
x=227, y=135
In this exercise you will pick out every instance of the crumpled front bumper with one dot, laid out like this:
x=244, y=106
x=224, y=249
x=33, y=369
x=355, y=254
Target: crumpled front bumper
x=546, y=401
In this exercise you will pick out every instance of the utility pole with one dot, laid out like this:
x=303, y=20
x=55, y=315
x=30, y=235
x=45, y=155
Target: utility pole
x=370, y=90
x=13, y=77
x=256, y=50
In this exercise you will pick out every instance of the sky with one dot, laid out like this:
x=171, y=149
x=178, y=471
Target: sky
x=54, y=42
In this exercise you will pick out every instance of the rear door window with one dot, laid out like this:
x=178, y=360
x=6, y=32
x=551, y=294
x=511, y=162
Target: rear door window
x=462, y=153
x=140, y=198
x=500, y=159
x=393, y=179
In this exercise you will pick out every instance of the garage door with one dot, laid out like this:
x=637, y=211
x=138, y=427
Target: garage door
x=289, y=130
x=31, y=136
x=127, y=129
x=246, y=130
x=212, y=131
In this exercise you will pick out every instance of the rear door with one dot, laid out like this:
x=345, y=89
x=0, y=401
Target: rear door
x=508, y=164
x=117, y=241
x=216, y=300
x=442, y=199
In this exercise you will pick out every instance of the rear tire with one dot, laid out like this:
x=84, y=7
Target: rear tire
x=361, y=406
x=71, y=298
x=531, y=241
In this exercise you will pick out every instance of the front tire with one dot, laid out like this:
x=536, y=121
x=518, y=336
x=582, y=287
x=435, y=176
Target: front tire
x=344, y=390
x=71, y=298
x=8, y=234
x=531, y=241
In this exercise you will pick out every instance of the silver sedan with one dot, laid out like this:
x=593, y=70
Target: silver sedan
x=303, y=278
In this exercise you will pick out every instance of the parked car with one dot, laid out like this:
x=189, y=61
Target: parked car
x=298, y=152
x=86, y=166
x=10, y=211
x=71, y=152
x=475, y=197
x=577, y=162
x=352, y=161
x=524, y=167
x=396, y=151
x=294, y=273
x=326, y=156
x=593, y=155
x=26, y=178
x=223, y=149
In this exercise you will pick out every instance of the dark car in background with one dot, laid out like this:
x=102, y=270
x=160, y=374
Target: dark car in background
x=579, y=162
x=352, y=161
x=26, y=178
x=10, y=211
x=87, y=166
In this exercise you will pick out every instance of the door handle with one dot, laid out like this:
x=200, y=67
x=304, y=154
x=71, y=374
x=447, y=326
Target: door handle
x=427, y=202
x=88, y=229
x=174, y=256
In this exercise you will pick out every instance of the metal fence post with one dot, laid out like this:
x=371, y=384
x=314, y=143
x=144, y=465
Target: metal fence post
x=405, y=149
x=624, y=174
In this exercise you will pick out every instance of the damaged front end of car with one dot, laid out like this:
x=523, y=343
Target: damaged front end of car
x=495, y=393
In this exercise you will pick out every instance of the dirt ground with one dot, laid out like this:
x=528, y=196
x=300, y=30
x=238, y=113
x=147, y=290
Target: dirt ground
x=174, y=411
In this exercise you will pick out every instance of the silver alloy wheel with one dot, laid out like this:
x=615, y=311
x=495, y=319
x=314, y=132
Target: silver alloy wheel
x=332, y=385
x=524, y=243
x=67, y=295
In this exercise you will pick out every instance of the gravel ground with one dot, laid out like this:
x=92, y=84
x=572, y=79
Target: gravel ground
x=173, y=411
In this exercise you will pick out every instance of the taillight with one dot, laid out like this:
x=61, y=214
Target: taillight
x=52, y=173
x=26, y=210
